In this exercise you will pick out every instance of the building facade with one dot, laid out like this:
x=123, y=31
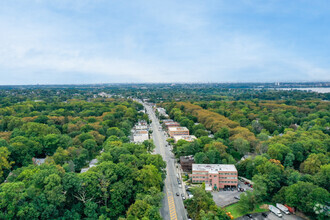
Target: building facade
x=186, y=163
x=171, y=124
x=217, y=176
x=178, y=131
x=140, y=135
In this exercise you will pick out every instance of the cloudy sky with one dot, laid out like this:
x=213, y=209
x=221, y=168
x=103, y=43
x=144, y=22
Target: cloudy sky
x=107, y=41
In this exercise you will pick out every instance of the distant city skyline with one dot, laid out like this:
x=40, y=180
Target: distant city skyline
x=91, y=42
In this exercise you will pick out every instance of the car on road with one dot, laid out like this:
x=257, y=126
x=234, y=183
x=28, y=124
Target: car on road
x=264, y=214
x=236, y=197
x=183, y=197
x=248, y=215
x=177, y=194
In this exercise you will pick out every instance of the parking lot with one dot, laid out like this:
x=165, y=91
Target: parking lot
x=224, y=198
x=271, y=216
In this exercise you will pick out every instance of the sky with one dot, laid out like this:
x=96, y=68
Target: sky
x=135, y=41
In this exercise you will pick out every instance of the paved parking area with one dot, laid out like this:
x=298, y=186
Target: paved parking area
x=224, y=198
x=271, y=216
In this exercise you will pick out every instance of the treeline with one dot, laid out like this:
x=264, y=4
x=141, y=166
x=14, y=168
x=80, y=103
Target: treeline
x=126, y=183
x=72, y=132
x=273, y=117
x=280, y=164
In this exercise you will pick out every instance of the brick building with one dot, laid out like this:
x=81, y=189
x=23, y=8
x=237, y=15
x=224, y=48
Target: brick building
x=178, y=131
x=186, y=163
x=215, y=175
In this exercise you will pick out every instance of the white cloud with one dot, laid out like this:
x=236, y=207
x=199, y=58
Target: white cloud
x=179, y=45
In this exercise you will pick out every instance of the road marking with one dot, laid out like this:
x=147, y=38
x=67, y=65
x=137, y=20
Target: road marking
x=157, y=136
x=171, y=206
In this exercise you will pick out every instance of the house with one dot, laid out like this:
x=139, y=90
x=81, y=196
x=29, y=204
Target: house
x=93, y=163
x=140, y=135
x=186, y=163
x=83, y=170
x=216, y=176
x=141, y=125
x=172, y=131
x=38, y=161
x=189, y=138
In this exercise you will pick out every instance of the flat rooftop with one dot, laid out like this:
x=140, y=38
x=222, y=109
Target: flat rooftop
x=178, y=129
x=137, y=132
x=184, y=137
x=171, y=123
x=213, y=168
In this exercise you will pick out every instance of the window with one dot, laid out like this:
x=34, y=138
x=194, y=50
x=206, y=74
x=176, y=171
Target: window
x=215, y=175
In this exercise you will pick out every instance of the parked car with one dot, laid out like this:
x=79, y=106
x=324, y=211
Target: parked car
x=177, y=194
x=264, y=214
x=224, y=189
x=236, y=197
x=232, y=188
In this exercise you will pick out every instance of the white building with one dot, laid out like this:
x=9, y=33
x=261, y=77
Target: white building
x=140, y=135
x=162, y=112
x=189, y=138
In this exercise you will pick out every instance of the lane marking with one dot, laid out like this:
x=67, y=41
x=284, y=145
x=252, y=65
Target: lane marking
x=169, y=189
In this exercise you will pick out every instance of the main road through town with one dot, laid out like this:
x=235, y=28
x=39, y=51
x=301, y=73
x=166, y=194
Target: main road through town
x=172, y=205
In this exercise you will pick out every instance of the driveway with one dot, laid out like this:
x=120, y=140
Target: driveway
x=225, y=198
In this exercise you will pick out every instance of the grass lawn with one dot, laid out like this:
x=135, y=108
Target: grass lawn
x=234, y=210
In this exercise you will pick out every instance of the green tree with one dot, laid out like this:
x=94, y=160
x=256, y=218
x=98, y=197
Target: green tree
x=313, y=163
x=4, y=162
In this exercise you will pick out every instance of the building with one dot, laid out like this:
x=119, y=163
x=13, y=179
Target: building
x=186, y=163
x=171, y=124
x=216, y=176
x=141, y=125
x=38, y=161
x=162, y=112
x=172, y=131
x=167, y=120
x=189, y=138
x=140, y=135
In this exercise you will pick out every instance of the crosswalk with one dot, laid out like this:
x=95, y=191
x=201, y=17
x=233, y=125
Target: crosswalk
x=171, y=206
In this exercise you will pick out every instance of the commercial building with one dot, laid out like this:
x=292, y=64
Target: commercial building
x=189, y=138
x=172, y=131
x=217, y=176
x=140, y=135
x=167, y=120
x=186, y=163
x=162, y=112
x=171, y=124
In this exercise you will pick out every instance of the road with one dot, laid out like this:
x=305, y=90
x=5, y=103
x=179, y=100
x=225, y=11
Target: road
x=172, y=205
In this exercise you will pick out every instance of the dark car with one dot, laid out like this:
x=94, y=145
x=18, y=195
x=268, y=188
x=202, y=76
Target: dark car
x=249, y=215
x=236, y=197
x=264, y=214
x=232, y=189
x=177, y=194
x=224, y=189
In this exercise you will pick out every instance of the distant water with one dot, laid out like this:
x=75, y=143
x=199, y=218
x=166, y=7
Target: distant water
x=319, y=90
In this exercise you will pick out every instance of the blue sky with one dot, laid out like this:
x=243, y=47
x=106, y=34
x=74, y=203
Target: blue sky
x=105, y=41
